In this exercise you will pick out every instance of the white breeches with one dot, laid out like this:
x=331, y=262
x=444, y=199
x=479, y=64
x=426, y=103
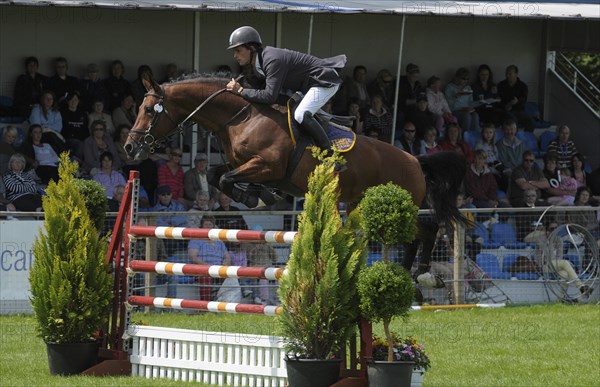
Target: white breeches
x=313, y=100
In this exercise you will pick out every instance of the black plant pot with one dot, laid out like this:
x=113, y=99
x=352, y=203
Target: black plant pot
x=390, y=373
x=312, y=372
x=71, y=358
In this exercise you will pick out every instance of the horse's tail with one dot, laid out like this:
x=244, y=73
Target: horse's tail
x=444, y=173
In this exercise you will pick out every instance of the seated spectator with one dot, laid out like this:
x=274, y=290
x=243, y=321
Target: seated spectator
x=551, y=258
x=107, y=176
x=554, y=193
x=262, y=255
x=195, y=180
x=238, y=255
x=47, y=115
x=383, y=85
x=62, y=84
x=44, y=154
x=453, y=142
x=356, y=87
x=208, y=252
x=460, y=99
x=167, y=204
x=28, y=87
x=527, y=176
x=480, y=183
x=92, y=88
x=96, y=144
x=21, y=189
x=566, y=184
x=513, y=95
x=171, y=174
x=484, y=88
x=172, y=73
x=231, y=222
x=7, y=147
x=200, y=205
x=585, y=218
x=510, y=148
x=429, y=144
x=99, y=114
x=407, y=141
x=5, y=204
x=114, y=203
x=487, y=143
x=409, y=89
x=527, y=221
x=355, y=111
x=116, y=85
x=75, y=125
x=137, y=87
x=436, y=102
x=563, y=146
x=577, y=170
x=126, y=113
x=422, y=118
x=378, y=121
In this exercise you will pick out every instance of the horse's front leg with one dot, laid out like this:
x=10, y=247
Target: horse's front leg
x=255, y=170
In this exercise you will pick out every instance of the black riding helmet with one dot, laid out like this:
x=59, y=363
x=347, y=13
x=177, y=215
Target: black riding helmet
x=244, y=35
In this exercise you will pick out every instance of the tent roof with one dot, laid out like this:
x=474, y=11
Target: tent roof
x=556, y=9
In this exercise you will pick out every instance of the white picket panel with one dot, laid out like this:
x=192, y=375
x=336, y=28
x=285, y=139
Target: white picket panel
x=217, y=358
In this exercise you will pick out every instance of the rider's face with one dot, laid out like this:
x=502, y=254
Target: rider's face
x=242, y=55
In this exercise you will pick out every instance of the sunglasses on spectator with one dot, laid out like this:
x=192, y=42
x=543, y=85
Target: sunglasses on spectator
x=529, y=160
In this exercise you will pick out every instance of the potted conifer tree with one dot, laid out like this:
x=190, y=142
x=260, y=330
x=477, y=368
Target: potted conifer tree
x=319, y=294
x=71, y=285
x=386, y=289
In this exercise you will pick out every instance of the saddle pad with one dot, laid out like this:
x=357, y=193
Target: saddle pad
x=342, y=138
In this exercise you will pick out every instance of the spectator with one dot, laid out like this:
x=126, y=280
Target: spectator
x=28, y=87
x=92, y=88
x=480, y=182
x=378, y=121
x=564, y=147
x=437, y=103
x=167, y=204
x=585, y=218
x=555, y=191
x=356, y=88
x=422, y=118
x=21, y=189
x=75, y=126
x=526, y=221
x=95, y=145
x=355, y=111
x=527, y=176
x=231, y=222
x=460, y=99
x=46, y=114
x=171, y=174
x=125, y=114
x=195, y=180
x=107, y=176
x=200, y=205
x=45, y=155
x=409, y=89
x=99, y=114
x=429, y=144
x=407, y=141
x=383, y=85
x=453, y=142
x=62, y=84
x=7, y=147
x=513, y=94
x=172, y=73
x=577, y=169
x=551, y=258
x=5, y=204
x=567, y=184
x=114, y=203
x=208, y=252
x=116, y=85
x=484, y=88
x=510, y=148
x=262, y=255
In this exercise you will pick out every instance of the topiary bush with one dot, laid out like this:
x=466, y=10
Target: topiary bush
x=95, y=199
x=71, y=285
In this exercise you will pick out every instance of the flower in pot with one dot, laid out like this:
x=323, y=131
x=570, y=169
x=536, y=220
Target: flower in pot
x=319, y=293
x=405, y=350
x=71, y=285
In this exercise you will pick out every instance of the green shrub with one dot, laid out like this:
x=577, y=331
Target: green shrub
x=95, y=199
x=319, y=293
x=71, y=287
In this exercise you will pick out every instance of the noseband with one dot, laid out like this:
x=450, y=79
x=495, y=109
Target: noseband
x=151, y=143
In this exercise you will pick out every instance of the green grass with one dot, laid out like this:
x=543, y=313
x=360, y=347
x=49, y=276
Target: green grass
x=545, y=345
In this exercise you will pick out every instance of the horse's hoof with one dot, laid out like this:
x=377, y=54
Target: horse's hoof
x=267, y=197
x=251, y=201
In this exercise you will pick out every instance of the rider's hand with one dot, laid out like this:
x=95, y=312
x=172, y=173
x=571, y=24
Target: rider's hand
x=234, y=86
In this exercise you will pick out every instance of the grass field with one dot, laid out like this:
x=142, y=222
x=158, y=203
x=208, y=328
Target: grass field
x=542, y=345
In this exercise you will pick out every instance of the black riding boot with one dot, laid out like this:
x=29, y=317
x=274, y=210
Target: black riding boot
x=316, y=131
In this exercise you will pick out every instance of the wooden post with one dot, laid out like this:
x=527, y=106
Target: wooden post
x=459, y=263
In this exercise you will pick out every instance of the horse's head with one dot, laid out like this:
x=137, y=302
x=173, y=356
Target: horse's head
x=153, y=124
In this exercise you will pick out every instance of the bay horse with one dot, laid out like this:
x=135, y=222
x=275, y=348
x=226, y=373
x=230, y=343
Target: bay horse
x=257, y=143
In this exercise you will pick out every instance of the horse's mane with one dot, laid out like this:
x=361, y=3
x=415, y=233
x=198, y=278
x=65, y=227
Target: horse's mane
x=217, y=77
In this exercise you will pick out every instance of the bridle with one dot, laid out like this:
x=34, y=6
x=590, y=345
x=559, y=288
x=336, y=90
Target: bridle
x=149, y=142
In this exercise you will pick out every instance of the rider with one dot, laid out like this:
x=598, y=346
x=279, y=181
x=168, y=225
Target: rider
x=284, y=70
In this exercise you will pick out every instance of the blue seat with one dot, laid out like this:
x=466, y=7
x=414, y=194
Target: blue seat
x=532, y=110
x=480, y=231
x=374, y=257
x=505, y=235
x=499, y=135
x=471, y=137
x=545, y=139
x=531, y=142
x=508, y=261
x=489, y=264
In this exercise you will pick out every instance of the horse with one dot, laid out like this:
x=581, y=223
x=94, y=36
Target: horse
x=257, y=144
